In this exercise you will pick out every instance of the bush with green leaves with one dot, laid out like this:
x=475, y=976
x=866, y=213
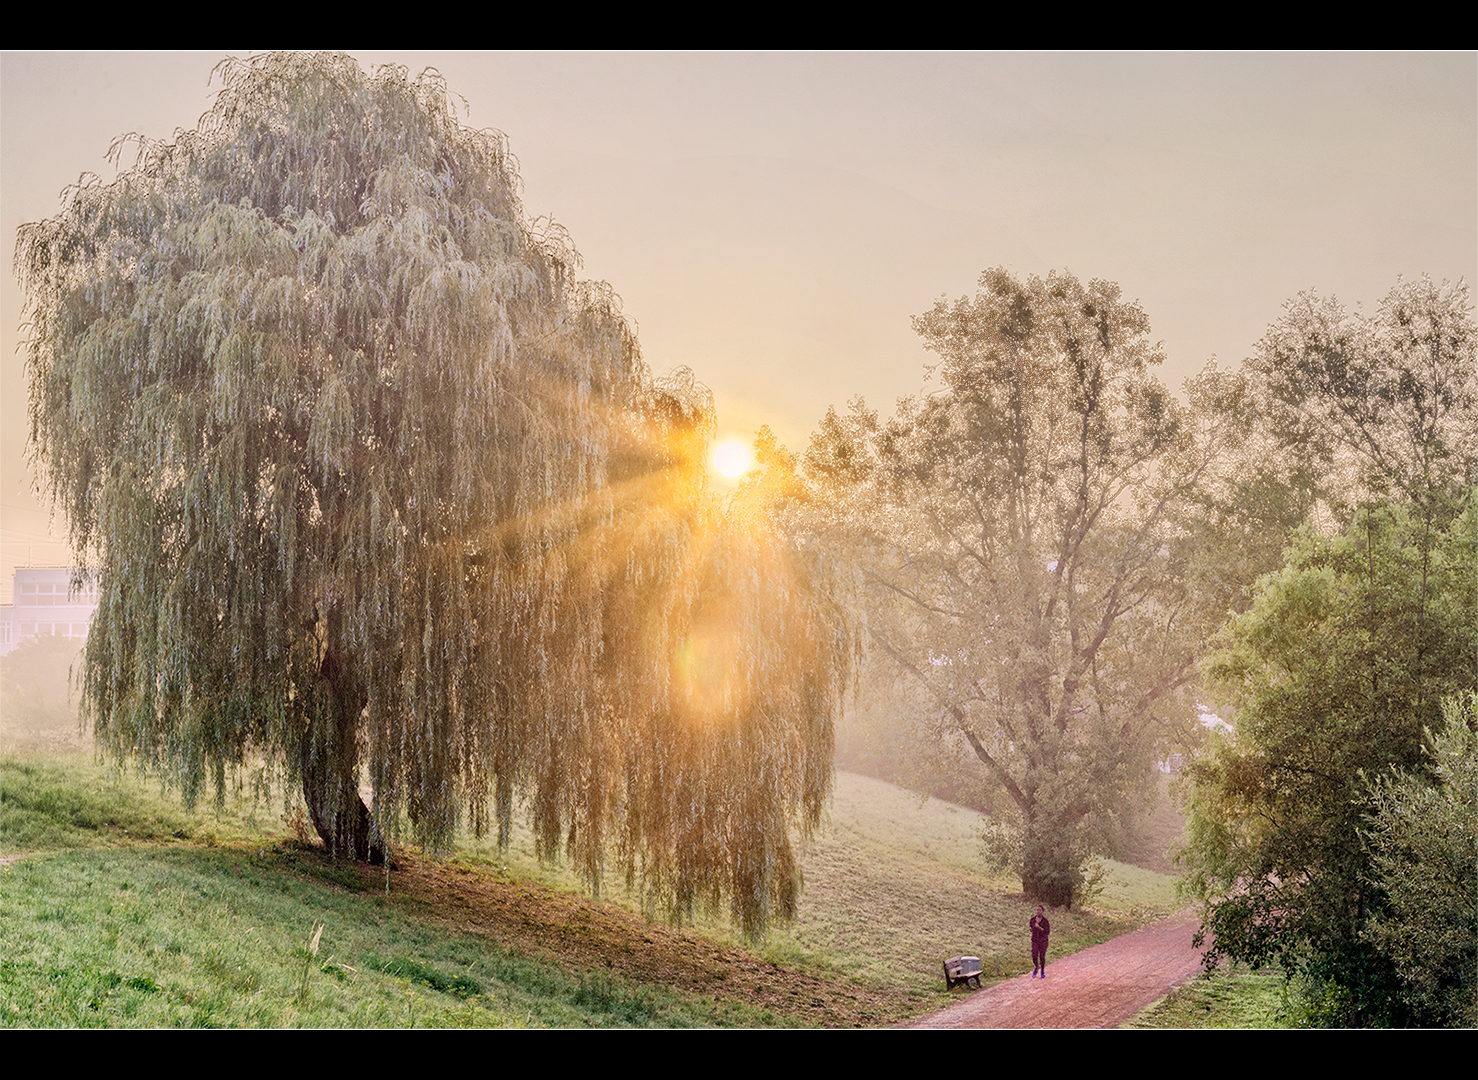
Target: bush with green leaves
x=1424, y=857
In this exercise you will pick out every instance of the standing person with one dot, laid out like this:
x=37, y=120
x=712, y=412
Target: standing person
x=1040, y=928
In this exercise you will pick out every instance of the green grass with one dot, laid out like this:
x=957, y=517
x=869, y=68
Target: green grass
x=1222, y=1000
x=70, y=802
x=146, y=915
x=194, y=937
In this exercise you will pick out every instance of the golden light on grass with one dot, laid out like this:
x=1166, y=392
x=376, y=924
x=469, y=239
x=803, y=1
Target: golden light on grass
x=731, y=458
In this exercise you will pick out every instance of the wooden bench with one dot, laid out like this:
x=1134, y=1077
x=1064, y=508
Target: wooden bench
x=961, y=969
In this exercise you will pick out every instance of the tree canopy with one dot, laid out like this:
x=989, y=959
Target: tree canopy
x=1022, y=539
x=376, y=489
x=1384, y=405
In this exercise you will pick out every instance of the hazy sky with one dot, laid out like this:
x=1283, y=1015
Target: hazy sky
x=773, y=220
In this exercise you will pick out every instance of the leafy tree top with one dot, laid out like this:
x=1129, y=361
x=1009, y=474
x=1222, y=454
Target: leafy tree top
x=1388, y=402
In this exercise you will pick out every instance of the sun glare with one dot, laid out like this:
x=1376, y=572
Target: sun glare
x=731, y=458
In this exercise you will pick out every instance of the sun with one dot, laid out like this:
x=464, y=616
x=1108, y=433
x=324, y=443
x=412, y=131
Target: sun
x=731, y=458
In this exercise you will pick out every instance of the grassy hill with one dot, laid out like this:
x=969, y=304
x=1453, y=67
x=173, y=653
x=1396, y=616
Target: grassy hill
x=895, y=885
x=132, y=912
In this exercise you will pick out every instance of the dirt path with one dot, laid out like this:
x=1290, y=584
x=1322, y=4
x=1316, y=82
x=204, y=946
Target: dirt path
x=1097, y=988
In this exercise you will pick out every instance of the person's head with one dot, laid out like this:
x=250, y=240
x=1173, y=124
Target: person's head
x=1039, y=910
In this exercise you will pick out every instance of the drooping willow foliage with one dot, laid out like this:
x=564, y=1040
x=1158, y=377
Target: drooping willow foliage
x=376, y=490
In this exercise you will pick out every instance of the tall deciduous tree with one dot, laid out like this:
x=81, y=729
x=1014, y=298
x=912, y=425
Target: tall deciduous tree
x=376, y=488
x=1023, y=548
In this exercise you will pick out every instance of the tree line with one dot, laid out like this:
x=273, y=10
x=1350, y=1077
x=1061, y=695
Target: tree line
x=378, y=492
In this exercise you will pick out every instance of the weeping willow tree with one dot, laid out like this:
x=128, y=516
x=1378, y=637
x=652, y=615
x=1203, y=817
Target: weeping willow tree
x=375, y=490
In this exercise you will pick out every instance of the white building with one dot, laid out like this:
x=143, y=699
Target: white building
x=45, y=604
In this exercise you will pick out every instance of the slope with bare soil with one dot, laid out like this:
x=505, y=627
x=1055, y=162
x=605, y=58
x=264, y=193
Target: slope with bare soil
x=582, y=934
